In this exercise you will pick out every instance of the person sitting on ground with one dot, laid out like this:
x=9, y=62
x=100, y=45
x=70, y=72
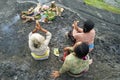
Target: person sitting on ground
x=77, y=62
x=87, y=34
x=38, y=44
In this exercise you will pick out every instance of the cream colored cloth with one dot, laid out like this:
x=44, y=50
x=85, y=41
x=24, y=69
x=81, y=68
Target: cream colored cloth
x=44, y=46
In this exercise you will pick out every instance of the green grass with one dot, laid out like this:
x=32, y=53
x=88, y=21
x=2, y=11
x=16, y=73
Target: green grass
x=101, y=5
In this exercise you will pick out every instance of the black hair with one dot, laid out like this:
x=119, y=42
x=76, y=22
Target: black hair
x=36, y=45
x=81, y=50
x=88, y=25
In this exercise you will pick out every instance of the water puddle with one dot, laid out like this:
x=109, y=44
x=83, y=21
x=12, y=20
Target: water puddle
x=34, y=2
x=6, y=26
x=26, y=1
x=43, y=1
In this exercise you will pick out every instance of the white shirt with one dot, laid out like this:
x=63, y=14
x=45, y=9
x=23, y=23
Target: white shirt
x=44, y=46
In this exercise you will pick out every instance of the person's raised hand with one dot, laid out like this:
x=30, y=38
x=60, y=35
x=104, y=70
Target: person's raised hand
x=37, y=22
x=75, y=23
x=38, y=27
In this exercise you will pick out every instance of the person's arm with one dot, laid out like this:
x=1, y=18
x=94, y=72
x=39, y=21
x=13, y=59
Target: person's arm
x=74, y=32
x=77, y=43
x=78, y=36
x=48, y=38
x=65, y=67
x=38, y=26
x=34, y=30
x=79, y=29
x=68, y=48
x=75, y=26
x=31, y=45
x=76, y=29
x=48, y=34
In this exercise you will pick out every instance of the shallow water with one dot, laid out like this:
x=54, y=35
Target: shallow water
x=34, y=2
x=43, y=1
x=6, y=26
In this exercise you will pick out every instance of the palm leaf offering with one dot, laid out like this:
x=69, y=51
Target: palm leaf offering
x=50, y=15
x=56, y=51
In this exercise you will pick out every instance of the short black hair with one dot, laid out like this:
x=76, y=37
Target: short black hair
x=81, y=50
x=88, y=25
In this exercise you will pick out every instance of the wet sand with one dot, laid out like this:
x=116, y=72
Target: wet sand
x=16, y=62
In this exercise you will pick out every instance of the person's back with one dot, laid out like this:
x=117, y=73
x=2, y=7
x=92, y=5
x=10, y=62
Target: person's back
x=87, y=34
x=77, y=62
x=38, y=44
x=86, y=37
x=77, y=65
x=42, y=47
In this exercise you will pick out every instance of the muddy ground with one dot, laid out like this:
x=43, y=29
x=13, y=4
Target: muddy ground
x=16, y=62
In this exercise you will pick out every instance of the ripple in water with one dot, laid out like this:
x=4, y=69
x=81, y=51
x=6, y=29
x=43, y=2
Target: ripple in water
x=6, y=27
x=43, y=1
x=34, y=2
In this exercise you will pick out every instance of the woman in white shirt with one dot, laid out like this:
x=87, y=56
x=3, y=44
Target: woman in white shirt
x=38, y=44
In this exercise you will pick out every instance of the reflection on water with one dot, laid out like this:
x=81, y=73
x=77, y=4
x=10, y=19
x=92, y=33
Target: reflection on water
x=6, y=26
x=34, y=2
x=15, y=18
x=30, y=1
